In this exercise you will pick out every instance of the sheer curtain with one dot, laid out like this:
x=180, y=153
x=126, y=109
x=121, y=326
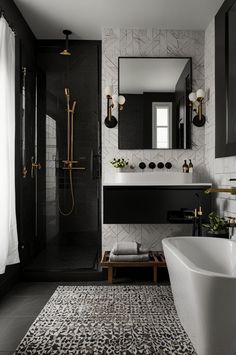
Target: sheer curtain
x=8, y=231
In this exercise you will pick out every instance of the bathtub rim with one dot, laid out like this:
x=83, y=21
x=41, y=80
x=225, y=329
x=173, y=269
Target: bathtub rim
x=166, y=242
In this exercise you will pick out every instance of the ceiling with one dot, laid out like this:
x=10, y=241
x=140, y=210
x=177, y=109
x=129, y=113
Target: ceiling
x=86, y=18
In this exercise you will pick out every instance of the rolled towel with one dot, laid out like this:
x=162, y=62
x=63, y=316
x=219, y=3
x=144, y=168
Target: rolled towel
x=127, y=257
x=124, y=248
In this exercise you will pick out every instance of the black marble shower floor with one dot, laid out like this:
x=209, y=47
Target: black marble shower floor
x=66, y=253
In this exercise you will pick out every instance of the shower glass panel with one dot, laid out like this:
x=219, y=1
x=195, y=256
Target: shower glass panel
x=72, y=156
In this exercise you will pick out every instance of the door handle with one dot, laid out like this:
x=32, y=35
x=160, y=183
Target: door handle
x=94, y=165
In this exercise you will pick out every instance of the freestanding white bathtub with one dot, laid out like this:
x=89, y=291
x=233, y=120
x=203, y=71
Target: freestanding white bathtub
x=203, y=281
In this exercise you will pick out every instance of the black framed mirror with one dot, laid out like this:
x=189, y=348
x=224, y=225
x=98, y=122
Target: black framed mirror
x=157, y=114
x=225, y=72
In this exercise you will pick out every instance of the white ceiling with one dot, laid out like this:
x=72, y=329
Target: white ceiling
x=86, y=18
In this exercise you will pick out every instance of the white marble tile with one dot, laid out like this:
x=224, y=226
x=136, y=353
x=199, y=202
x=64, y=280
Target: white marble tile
x=149, y=42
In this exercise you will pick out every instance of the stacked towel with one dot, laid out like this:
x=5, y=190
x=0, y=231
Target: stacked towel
x=128, y=251
x=126, y=248
x=126, y=257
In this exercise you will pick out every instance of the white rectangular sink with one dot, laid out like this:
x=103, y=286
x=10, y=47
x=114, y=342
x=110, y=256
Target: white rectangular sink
x=150, y=178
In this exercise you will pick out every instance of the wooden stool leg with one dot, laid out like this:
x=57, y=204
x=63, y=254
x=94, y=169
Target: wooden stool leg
x=110, y=275
x=155, y=274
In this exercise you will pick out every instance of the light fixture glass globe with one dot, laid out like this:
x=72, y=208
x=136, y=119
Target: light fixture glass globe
x=108, y=90
x=192, y=96
x=200, y=94
x=121, y=100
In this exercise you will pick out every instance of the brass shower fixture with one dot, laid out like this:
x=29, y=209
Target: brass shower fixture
x=66, y=51
x=68, y=163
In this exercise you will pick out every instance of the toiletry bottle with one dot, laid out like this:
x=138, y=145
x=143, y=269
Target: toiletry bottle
x=190, y=166
x=185, y=167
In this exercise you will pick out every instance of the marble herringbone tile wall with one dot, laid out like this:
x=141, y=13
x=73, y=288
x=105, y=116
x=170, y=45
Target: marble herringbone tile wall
x=219, y=170
x=149, y=43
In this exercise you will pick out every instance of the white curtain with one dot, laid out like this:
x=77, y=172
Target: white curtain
x=8, y=231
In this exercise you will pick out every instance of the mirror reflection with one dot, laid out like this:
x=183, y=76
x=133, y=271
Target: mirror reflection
x=157, y=114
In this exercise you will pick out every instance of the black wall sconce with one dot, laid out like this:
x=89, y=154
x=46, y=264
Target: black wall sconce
x=196, y=100
x=112, y=102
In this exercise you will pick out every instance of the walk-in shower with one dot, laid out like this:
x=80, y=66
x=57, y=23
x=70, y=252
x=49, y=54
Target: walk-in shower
x=68, y=137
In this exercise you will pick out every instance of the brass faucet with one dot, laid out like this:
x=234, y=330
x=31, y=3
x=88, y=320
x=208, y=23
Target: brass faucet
x=231, y=190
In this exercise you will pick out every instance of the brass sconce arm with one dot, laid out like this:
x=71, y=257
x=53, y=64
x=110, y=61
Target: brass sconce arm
x=112, y=102
x=196, y=102
x=231, y=190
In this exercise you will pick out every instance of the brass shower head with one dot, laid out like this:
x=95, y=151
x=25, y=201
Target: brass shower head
x=66, y=51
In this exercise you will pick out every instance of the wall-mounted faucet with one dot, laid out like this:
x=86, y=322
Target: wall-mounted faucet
x=231, y=190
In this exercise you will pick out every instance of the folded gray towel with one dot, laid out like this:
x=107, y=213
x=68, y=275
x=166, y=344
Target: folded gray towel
x=142, y=250
x=127, y=257
x=124, y=248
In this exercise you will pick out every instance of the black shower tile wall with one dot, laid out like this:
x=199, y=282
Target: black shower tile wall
x=149, y=42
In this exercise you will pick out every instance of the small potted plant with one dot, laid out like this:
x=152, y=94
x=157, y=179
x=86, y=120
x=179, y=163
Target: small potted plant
x=119, y=163
x=217, y=226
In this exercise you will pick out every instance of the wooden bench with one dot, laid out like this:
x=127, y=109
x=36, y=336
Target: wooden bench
x=156, y=261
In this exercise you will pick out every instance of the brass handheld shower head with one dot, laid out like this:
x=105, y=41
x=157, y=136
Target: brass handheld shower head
x=66, y=51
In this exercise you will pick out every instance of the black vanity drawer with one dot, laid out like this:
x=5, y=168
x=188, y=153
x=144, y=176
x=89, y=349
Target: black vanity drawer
x=151, y=204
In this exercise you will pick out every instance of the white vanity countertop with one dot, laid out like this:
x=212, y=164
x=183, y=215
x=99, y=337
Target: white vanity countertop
x=151, y=179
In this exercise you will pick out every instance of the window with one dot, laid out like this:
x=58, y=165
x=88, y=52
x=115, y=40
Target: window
x=161, y=124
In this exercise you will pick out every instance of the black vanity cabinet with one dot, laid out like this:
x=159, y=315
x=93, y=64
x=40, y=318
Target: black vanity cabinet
x=153, y=204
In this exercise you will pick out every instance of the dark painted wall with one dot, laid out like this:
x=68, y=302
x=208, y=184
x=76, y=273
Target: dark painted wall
x=25, y=56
